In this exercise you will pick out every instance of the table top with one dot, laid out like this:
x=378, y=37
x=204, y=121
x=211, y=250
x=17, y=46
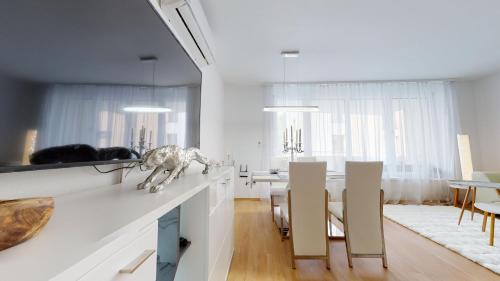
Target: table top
x=265, y=176
x=483, y=184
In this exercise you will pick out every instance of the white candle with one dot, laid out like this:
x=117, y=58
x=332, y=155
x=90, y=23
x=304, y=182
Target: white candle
x=143, y=133
x=300, y=135
x=132, y=135
x=150, y=136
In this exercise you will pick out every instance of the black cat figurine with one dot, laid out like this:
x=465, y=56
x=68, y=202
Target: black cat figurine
x=80, y=153
x=65, y=154
x=113, y=153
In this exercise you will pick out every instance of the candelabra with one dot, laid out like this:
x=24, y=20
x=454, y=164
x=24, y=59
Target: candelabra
x=293, y=147
x=142, y=141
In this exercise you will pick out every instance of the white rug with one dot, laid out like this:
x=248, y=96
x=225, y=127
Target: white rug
x=439, y=223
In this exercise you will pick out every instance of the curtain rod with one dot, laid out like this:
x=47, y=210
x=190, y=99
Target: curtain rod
x=365, y=81
x=121, y=85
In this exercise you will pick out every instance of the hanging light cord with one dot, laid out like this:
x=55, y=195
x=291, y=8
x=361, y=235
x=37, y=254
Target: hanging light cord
x=284, y=72
x=129, y=166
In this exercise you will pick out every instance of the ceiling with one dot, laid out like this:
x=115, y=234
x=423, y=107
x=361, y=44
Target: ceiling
x=91, y=41
x=353, y=40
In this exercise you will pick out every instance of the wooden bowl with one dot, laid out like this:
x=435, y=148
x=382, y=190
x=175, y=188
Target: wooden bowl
x=21, y=219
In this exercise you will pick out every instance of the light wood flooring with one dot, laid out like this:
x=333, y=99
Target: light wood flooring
x=260, y=255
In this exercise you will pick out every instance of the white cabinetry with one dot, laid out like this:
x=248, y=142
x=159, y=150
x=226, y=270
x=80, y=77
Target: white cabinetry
x=135, y=262
x=116, y=237
x=221, y=227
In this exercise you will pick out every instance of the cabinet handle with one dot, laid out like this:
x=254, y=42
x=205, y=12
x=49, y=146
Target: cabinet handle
x=135, y=264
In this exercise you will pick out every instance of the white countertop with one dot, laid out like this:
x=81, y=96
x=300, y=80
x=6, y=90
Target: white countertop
x=84, y=222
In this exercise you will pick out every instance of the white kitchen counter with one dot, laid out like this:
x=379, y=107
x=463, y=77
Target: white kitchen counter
x=90, y=225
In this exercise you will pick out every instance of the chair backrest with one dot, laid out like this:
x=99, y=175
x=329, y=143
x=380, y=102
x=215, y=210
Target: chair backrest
x=465, y=156
x=486, y=195
x=308, y=208
x=306, y=159
x=363, y=207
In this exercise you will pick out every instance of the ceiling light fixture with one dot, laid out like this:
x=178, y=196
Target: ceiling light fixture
x=290, y=54
x=287, y=108
x=147, y=109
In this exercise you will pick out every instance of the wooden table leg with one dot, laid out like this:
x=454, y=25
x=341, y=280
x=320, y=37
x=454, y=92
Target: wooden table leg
x=485, y=220
x=472, y=203
x=456, y=193
x=463, y=205
x=492, y=229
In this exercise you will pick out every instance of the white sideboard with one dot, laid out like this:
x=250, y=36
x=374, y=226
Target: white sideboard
x=221, y=228
x=110, y=233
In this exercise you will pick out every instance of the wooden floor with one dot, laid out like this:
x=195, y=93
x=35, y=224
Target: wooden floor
x=260, y=255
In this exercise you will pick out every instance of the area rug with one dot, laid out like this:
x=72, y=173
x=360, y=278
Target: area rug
x=439, y=224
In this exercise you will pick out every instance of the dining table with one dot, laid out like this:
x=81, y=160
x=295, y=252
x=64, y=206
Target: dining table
x=282, y=176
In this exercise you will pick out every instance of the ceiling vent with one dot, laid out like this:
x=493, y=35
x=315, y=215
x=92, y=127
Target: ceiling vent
x=181, y=17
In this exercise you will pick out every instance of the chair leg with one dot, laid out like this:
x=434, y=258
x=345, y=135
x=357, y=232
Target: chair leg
x=492, y=229
x=330, y=227
x=327, y=236
x=347, y=244
x=463, y=205
x=349, y=258
x=272, y=207
x=282, y=227
x=456, y=193
x=472, y=203
x=485, y=220
x=384, y=261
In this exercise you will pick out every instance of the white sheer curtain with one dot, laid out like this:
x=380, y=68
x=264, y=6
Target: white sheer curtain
x=93, y=114
x=411, y=126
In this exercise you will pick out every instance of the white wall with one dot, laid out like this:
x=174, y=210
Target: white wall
x=466, y=111
x=487, y=104
x=212, y=114
x=244, y=132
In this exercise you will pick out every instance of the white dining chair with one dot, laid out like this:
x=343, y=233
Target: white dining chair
x=361, y=211
x=277, y=190
x=466, y=168
x=306, y=212
x=488, y=201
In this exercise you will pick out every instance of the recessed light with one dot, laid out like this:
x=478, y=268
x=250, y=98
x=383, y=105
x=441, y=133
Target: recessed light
x=148, y=59
x=146, y=109
x=286, y=108
x=290, y=54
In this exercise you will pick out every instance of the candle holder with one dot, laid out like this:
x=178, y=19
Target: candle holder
x=141, y=147
x=291, y=146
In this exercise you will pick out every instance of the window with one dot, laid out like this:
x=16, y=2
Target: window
x=406, y=125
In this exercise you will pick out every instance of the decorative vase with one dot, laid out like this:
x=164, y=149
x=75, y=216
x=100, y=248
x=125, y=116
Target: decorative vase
x=21, y=219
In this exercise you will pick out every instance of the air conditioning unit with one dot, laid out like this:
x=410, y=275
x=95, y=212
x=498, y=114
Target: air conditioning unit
x=182, y=18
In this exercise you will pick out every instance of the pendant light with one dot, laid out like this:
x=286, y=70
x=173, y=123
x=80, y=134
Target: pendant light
x=149, y=109
x=286, y=108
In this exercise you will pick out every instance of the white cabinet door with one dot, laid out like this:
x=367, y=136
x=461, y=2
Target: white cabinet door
x=136, y=262
x=221, y=228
